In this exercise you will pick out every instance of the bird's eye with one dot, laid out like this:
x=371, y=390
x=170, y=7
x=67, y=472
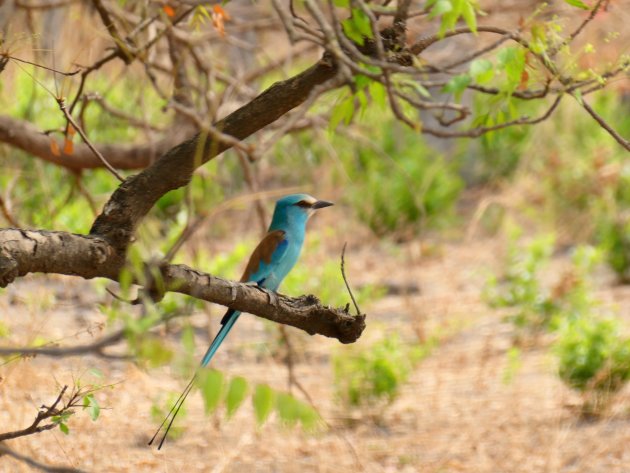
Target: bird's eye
x=304, y=204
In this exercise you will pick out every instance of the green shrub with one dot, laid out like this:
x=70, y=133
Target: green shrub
x=373, y=376
x=400, y=185
x=593, y=359
x=519, y=286
x=614, y=224
x=536, y=306
x=615, y=238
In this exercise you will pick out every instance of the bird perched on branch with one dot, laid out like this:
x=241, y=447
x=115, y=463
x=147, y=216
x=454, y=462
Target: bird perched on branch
x=271, y=261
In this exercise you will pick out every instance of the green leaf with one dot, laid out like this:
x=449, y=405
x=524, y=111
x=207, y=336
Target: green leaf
x=344, y=110
x=357, y=27
x=362, y=22
x=288, y=408
x=457, y=85
x=341, y=3
x=96, y=372
x=416, y=86
x=64, y=428
x=263, y=400
x=211, y=385
x=468, y=13
x=481, y=70
x=440, y=8
x=578, y=3
x=362, y=81
x=378, y=93
x=91, y=404
x=235, y=395
x=4, y=329
x=512, y=60
x=363, y=102
x=153, y=350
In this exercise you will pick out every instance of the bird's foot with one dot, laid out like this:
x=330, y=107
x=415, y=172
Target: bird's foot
x=273, y=298
x=233, y=289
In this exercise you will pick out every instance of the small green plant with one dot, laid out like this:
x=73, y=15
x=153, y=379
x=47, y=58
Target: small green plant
x=594, y=359
x=373, y=376
x=536, y=307
x=615, y=239
x=62, y=410
x=519, y=286
x=217, y=391
x=405, y=186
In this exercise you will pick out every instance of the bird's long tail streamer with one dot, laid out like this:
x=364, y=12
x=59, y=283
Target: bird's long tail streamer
x=228, y=321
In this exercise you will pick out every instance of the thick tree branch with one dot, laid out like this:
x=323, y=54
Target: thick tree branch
x=137, y=195
x=305, y=312
x=23, y=252
x=25, y=136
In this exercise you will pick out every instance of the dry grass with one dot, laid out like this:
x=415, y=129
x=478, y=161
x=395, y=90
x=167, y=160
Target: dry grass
x=456, y=414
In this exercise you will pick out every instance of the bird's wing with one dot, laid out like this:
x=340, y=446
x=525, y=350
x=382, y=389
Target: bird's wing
x=266, y=256
x=262, y=262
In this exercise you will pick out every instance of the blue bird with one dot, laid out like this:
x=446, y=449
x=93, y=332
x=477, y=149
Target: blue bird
x=271, y=261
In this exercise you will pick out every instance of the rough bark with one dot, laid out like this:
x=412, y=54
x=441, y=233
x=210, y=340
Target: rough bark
x=27, y=137
x=27, y=251
x=102, y=253
x=137, y=195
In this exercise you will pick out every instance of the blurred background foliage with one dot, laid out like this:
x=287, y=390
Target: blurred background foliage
x=555, y=197
x=571, y=179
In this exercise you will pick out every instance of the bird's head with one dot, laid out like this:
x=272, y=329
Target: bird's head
x=295, y=209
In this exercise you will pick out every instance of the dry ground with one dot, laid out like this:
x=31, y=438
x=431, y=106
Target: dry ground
x=455, y=415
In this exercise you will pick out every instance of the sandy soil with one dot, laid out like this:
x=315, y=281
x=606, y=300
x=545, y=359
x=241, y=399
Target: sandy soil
x=456, y=414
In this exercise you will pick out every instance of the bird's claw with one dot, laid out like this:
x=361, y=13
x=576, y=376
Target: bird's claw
x=233, y=289
x=273, y=298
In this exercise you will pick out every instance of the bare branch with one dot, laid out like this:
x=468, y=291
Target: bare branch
x=581, y=27
x=422, y=44
x=111, y=27
x=25, y=251
x=43, y=414
x=4, y=450
x=611, y=131
x=95, y=348
x=25, y=136
x=137, y=195
x=345, y=280
x=86, y=140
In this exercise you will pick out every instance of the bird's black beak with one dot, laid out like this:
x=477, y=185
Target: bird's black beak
x=320, y=204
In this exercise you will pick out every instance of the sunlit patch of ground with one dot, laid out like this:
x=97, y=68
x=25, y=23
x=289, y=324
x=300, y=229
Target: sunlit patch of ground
x=457, y=413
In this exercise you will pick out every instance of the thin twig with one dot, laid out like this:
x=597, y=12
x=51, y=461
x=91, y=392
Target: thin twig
x=343, y=273
x=598, y=118
x=7, y=215
x=43, y=414
x=6, y=56
x=110, y=168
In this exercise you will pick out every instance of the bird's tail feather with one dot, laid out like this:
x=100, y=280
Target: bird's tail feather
x=228, y=322
x=229, y=319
